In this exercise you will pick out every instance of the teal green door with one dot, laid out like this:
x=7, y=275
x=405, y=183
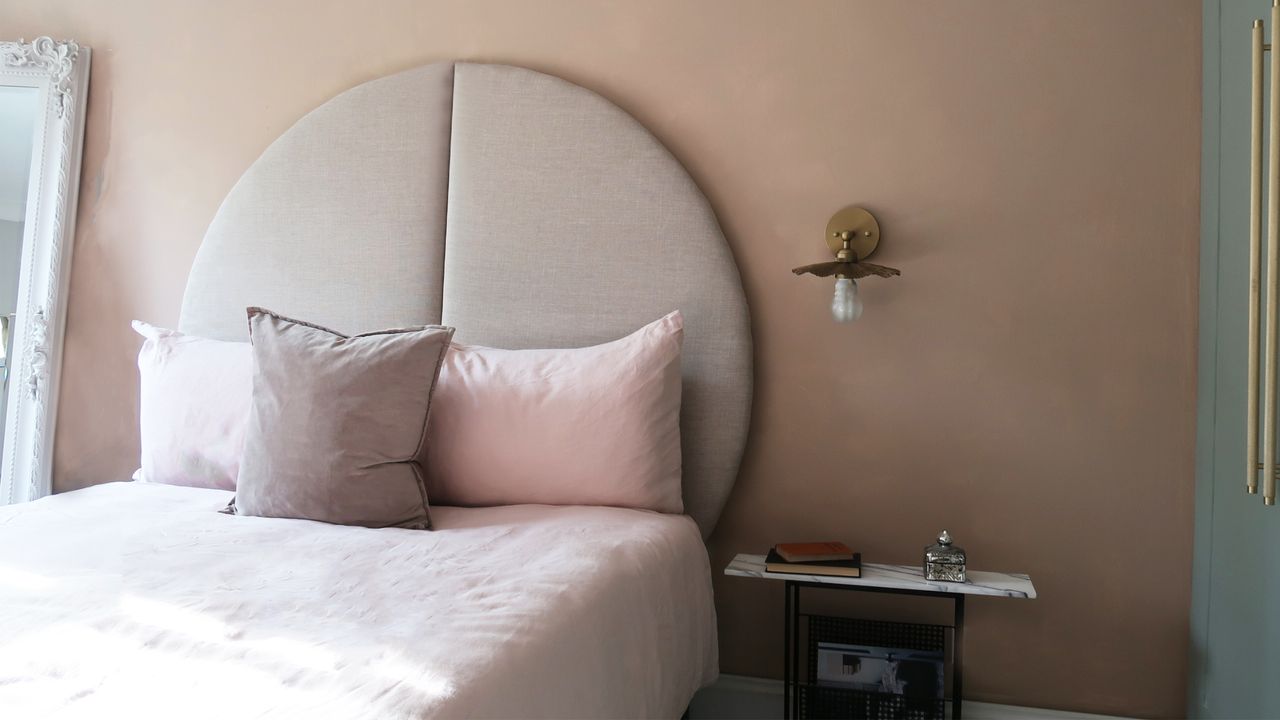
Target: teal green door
x=1235, y=615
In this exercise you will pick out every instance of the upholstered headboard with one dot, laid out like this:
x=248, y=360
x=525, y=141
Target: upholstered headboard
x=522, y=209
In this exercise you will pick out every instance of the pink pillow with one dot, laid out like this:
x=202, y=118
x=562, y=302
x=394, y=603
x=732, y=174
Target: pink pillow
x=195, y=406
x=591, y=426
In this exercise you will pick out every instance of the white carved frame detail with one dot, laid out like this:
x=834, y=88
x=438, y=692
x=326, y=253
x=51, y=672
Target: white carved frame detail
x=59, y=69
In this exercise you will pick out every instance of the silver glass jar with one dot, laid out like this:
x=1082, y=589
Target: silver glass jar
x=944, y=561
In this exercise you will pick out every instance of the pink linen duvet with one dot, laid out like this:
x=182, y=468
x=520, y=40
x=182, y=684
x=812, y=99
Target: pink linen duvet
x=142, y=601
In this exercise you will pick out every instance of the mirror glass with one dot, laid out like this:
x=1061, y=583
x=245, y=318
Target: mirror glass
x=19, y=111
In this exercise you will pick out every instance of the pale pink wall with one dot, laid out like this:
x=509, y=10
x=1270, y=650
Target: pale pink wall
x=1028, y=383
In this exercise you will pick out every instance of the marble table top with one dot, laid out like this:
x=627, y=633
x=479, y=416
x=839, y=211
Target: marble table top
x=898, y=577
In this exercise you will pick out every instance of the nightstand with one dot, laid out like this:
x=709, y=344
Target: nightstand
x=899, y=579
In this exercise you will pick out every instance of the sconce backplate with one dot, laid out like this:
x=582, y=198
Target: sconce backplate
x=863, y=225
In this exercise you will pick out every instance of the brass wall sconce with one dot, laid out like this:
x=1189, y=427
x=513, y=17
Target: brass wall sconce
x=852, y=234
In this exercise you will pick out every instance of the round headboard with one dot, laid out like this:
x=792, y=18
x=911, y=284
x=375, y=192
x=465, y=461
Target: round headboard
x=522, y=209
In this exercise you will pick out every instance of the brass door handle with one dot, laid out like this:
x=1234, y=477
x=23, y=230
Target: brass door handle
x=1255, y=252
x=1272, y=298
x=6, y=359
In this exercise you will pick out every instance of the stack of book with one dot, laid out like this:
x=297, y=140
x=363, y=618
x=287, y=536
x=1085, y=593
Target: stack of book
x=814, y=558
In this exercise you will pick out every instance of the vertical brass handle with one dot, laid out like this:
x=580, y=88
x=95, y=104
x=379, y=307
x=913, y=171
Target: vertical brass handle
x=1273, y=266
x=6, y=355
x=1255, y=255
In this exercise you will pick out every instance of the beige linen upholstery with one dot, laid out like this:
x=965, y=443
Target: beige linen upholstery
x=570, y=225
x=341, y=221
x=567, y=224
x=337, y=423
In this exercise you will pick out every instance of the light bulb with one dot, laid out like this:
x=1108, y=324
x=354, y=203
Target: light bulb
x=845, y=306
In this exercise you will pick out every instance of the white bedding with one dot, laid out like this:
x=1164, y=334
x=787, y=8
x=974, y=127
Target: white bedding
x=142, y=601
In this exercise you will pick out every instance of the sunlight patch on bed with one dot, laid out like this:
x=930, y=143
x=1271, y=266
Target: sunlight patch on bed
x=296, y=652
x=172, y=617
x=429, y=684
x=24, y=580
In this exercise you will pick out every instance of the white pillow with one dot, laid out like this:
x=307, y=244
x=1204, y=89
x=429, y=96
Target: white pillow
x=194, y=409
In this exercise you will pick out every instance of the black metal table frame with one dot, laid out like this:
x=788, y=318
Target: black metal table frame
x=791, y=641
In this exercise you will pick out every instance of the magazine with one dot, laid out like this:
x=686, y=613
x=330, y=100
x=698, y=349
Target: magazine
x=915, y=674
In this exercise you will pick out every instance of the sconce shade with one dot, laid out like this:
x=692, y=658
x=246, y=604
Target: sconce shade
x=853, y=270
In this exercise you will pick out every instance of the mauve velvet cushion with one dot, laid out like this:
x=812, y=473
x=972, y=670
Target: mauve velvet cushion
x=590, y=426
x=337, y=423
x=194, y=407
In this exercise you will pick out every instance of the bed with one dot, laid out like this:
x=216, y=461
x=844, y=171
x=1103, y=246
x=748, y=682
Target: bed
x=143, y=597
x=526, y=212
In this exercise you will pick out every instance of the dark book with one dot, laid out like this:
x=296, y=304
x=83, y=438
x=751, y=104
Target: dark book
x=843, y=568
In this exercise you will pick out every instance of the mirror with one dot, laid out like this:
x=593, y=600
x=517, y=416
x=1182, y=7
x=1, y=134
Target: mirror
x=43, y=88
x=18, y=109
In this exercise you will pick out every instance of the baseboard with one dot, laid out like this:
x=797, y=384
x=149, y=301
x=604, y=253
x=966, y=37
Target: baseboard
x=738, y=697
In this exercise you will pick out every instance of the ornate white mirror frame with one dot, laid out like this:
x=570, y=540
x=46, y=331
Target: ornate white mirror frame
x=59, y=72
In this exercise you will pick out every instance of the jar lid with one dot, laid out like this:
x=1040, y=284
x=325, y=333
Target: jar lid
x=945, y=551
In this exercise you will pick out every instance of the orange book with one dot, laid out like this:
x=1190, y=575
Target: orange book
x=814, y=551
